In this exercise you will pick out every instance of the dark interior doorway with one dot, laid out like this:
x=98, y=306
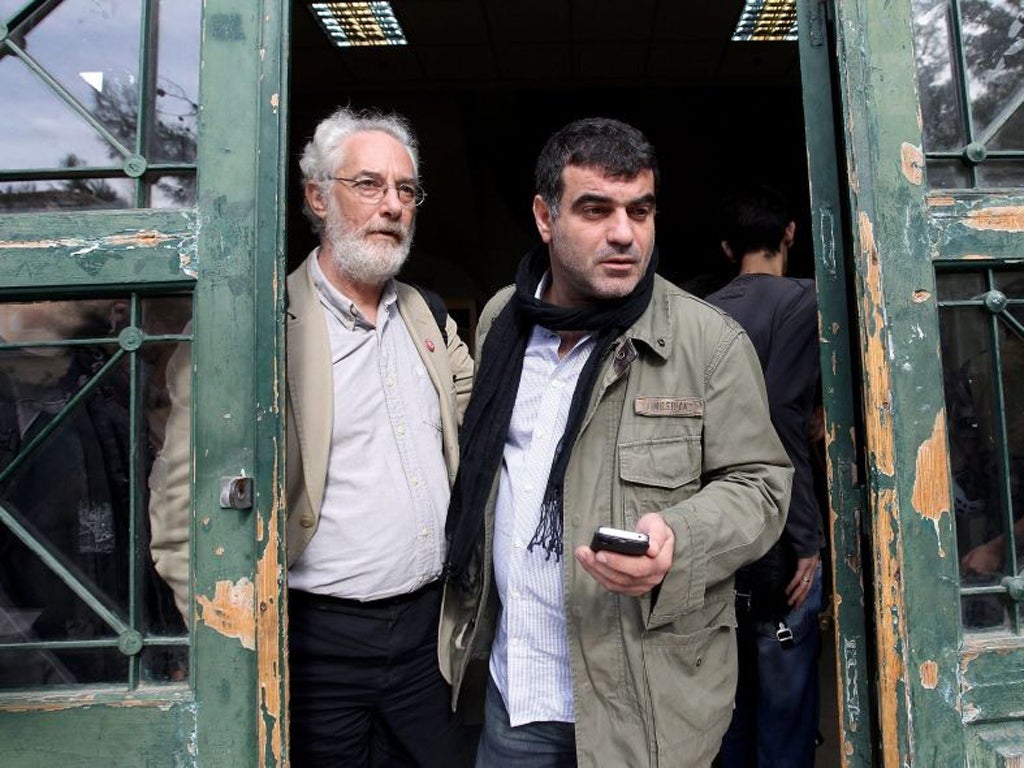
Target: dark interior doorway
x=484, y=82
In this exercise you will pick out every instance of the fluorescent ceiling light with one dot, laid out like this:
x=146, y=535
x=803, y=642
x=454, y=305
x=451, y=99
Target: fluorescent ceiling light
x=358, y=24
x=766, y=20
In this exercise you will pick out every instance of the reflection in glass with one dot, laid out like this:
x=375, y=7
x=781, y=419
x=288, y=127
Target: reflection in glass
x=177, y=91
x=1011, y=134
x=983, y=365
x=172, y=191
x=75, y=574
x=92, y=50
x=41, y=131
x=995, y=57
x=984, y=70
x=65, y=194
x=943, y=119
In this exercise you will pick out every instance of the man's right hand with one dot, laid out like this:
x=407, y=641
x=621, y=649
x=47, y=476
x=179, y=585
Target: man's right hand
x=800, y=585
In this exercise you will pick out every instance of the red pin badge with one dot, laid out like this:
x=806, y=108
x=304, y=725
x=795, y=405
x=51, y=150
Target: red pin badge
x=430, y=344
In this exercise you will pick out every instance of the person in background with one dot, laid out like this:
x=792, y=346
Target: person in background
x=779, y=597
x=375, y=396
x=605, y=396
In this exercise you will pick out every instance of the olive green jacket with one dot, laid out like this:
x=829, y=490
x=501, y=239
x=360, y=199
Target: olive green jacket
x=677, y=424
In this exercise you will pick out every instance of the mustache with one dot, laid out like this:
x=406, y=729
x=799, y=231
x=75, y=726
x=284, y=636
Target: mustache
x=385, y=228
x=613, y=252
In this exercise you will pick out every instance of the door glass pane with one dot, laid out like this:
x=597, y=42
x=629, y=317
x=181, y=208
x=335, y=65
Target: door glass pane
x=64, y=194
x=177, y=94
x=971, y=52
x=172, y=191
x=983, y=363
x=1011, y=134
x=9, y=7
x=41, y=131
x=944, y=124
x=995, y=57
x=82, y=406
x=996, y=173
x=947, y=174
x=92, y=49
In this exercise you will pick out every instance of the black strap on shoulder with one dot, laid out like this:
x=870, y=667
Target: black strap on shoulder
x=437, y=308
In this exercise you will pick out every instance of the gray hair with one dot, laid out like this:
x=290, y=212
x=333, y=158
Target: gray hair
x=322, y=154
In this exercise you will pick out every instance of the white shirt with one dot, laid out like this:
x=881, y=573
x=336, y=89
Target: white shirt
x=530, y=655
x=381, y=530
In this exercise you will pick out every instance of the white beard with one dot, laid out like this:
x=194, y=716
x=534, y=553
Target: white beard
x=361, y=260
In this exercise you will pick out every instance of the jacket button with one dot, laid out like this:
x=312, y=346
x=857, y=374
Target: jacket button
x=307, y=521
x=700, y=660
x=661, y=342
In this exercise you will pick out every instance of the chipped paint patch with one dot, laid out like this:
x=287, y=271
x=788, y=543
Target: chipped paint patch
x=851, y=691
x=999, y=218
x=271, y=626
x=940, y=201
x=929, y=672
x=912, y=163
x=230, y=612
x=141, y=239
x=921, y=296
x=891, y=630
x=878, y=414
x=931, y=477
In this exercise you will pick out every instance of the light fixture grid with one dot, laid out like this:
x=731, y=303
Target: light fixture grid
x=358, y=24
x=766, y=20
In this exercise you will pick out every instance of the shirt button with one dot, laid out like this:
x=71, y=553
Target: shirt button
x=528, y=487
x=400, y=429
x=390, y=381
x=415, y=481
x=541, y=432
x=517, y=544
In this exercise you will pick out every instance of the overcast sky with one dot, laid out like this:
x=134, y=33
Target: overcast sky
x=86, y=45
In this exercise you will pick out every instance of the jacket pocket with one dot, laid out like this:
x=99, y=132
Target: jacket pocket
x=664, y=462
x=659, y=472
x=692, y=682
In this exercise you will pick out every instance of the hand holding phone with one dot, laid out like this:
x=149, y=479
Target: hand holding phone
x=620, y=541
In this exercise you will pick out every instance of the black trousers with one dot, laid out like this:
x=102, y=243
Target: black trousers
x=365, y=685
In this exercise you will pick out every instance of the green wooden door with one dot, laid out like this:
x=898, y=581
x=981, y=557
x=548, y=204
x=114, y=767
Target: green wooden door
x=140, y=171
x=932, y=116
x=838, y=333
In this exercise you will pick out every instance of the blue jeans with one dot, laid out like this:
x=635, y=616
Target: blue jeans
x=775, y=721
x=534, y=745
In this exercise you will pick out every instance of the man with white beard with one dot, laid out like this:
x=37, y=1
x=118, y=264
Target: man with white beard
x=375, y=396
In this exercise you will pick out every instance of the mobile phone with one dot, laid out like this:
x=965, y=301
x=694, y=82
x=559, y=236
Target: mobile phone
x=618, y=540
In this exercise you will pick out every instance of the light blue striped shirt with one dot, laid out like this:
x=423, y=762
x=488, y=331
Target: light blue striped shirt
x=530, y=655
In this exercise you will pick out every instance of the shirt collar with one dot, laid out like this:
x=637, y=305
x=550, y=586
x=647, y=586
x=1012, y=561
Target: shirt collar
x=341, y=306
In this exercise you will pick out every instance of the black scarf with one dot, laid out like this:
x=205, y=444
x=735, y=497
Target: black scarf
x=495, y=386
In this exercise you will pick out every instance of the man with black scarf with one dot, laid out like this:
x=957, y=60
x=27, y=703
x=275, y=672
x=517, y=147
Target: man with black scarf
x=605, y=396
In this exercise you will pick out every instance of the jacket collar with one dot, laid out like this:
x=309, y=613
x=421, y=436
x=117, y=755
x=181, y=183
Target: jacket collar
x=653, y=328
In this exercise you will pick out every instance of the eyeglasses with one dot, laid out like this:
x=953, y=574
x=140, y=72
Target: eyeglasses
x=371, y=190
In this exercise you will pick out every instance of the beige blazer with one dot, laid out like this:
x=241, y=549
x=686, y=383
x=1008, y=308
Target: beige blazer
x=309, y=417
x=311, y=395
